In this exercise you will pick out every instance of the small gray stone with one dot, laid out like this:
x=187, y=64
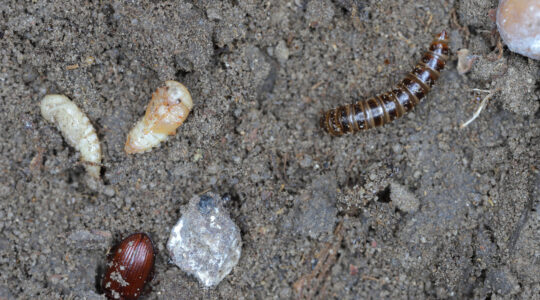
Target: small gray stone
x=205, y=242
x=30, y=74
x=108, y=191
x=213, y=14
x=403, y=199
x=306, y=161
x=282, y=52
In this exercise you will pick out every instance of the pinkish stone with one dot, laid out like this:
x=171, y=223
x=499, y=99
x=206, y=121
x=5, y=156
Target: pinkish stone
x=518, y=22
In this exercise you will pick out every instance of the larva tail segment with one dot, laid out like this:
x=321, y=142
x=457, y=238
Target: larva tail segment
x=386, y=107
x=168, y=109
x=76, y=129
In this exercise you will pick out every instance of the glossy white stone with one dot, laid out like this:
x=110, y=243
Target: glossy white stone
x=205, y=242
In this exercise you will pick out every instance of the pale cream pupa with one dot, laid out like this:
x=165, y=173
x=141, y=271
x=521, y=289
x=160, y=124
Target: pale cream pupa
x=168, y=109
x=76, y=129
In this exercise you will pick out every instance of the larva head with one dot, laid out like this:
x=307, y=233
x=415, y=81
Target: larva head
x=178, y=93
x=443, y=36
x=169, y=107
x=439, y=45
x=49, y=106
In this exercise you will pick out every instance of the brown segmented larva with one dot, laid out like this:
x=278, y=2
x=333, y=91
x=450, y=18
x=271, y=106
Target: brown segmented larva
x=386, y=107
x=168, y=109
x=76, y=129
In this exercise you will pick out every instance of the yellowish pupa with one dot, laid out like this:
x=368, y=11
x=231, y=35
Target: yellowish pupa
x=168, y=109
x=76, y=129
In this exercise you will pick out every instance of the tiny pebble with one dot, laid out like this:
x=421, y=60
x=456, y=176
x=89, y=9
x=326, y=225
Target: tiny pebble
x=282, y=52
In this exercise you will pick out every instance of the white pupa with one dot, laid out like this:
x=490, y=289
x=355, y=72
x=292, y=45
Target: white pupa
x=168, y=109
x=76, y=129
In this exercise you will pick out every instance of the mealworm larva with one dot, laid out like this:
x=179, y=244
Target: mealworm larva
x=76, y=129
x=168, y=109
x=388, y=106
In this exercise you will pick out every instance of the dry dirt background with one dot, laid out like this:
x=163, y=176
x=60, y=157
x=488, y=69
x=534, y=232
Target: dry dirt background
x=416, y=209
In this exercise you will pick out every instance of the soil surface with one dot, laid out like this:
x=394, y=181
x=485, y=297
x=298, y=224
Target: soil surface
x=416, y=209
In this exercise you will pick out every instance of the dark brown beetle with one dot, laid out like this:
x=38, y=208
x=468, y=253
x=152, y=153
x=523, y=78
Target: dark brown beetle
x=129, y=267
